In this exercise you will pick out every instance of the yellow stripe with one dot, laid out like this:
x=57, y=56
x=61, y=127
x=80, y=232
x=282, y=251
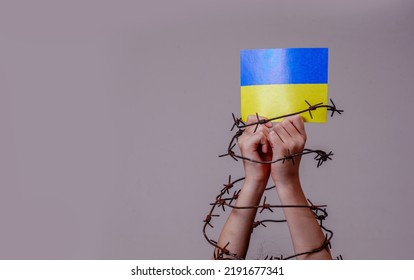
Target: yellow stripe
x=277, y=100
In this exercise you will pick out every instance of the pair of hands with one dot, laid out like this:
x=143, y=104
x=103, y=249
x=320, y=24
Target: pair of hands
x=269, y=143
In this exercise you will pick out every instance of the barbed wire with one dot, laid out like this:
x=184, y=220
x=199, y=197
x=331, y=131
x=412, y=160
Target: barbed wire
x=226, y=200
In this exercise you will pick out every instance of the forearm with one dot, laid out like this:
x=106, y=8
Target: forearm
x=305, y=231
x=236, y=233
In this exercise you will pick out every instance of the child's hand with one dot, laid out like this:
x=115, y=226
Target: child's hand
x=255, y=145
x=287, y=138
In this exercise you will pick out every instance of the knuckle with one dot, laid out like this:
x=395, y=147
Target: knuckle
x=291, y=145
x=278, y=128
x=299, y=144
x=271, y=138
x=241, y=141
x=297, y=117
x=251, y=118
x=304, y=137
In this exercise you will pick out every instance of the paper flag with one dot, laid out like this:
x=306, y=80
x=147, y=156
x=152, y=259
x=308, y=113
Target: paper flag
x=276, y=82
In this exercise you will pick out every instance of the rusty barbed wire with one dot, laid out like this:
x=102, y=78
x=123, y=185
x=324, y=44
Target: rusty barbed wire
x=321, y=156
x=222, y=201
x=240, y=124
x=225, y=200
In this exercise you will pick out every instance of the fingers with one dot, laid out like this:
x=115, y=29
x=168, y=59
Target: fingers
x=289, y=135
x=258, y=138
x=298, y=123
x=274, y=140
x=283, y=131
x=263, y=140
x=294, y=127
x=257, y=135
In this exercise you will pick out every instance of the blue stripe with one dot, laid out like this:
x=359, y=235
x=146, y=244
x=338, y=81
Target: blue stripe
x=284, y=66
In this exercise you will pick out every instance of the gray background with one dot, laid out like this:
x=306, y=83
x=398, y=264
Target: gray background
x=113, y=113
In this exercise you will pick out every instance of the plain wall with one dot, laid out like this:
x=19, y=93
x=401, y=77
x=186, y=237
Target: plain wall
x=113, y=114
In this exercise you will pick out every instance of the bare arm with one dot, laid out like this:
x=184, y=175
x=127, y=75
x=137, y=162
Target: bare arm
x=236, y=232
x=287, y=137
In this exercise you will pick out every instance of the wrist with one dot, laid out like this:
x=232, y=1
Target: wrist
x=290, y=192
x=256, y=180
x=257, y=177
x=286, y=180
x=253, y=188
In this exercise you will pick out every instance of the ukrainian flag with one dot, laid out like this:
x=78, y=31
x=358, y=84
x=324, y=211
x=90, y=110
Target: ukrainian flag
x=276, y=82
